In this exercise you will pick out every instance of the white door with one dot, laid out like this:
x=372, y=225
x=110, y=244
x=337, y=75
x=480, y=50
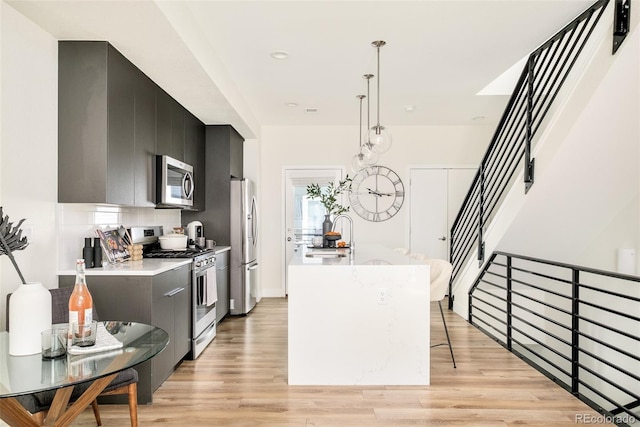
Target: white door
x=303, y=217
x=436, y=195
x=428, y=214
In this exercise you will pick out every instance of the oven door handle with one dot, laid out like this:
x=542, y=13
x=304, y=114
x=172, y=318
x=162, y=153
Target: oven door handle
x=174, y=292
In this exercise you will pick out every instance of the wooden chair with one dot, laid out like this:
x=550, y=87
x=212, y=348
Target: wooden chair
x=126, y=382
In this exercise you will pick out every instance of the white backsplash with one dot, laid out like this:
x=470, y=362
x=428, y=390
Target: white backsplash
x=77, y=221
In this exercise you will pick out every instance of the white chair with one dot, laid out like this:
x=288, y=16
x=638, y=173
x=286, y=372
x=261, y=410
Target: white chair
x=440, y=275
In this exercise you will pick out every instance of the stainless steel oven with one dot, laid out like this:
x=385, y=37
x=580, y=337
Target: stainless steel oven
x=205, y=297
x=203, y=283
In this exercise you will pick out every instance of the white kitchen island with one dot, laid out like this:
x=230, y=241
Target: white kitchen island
x=358, y=320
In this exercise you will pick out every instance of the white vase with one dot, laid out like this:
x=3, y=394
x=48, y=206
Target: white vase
x=29, y=314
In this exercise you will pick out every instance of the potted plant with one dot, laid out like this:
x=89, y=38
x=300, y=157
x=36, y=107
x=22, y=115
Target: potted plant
x=329, y=199
x=30, y=304
x=11, y=240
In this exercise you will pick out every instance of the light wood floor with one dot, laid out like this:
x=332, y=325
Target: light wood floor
x=241, y=380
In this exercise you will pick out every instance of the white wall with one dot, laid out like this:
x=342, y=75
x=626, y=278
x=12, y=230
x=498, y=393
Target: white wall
x=28, y=162
x=29, y=159
x=321, y=146
x=585, y=203
x=77, y=221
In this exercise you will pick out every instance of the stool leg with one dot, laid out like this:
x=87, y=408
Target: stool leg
x=447, y=333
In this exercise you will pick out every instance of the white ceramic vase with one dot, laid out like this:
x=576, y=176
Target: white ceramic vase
x=29, y=315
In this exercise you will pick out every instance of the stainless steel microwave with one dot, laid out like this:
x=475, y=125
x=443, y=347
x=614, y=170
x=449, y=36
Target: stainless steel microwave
x=175, y=184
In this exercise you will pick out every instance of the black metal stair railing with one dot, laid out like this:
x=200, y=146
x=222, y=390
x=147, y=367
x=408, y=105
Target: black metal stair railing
x=579, y=326
x=538, y=86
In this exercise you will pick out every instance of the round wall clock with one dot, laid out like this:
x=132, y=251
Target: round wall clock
x=377, y=193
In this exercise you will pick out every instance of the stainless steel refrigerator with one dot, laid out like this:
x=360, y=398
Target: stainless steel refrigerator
x=244, y=237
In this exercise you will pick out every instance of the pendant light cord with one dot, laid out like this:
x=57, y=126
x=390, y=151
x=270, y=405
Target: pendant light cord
x=368, y=77
x=378, y=86
x=360, y=97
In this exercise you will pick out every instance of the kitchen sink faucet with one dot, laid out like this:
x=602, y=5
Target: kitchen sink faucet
x=351, y=239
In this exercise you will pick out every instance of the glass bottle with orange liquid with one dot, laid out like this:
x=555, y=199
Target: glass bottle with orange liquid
x=80, y=302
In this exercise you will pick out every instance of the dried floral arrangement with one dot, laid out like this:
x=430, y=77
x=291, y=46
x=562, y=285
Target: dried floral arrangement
x=11, y=240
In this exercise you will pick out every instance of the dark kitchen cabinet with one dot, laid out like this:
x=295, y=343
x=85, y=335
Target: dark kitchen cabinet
x=171, y=310
x=112, y=121
x=224, y=154
x=145, y=141
x=177, y=130
x=222, y=283
x=163, y=300
x=194, y=155
x=164, y=144
x=170, y=116
x=95, y=124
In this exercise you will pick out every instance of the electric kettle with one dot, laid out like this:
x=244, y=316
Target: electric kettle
x=194, y=230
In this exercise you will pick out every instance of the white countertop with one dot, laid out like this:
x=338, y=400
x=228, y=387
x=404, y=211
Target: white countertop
x=219, y=249
x=371, y=254
x=145, y=267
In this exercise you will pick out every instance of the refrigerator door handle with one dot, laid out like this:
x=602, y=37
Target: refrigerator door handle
x=254, y=221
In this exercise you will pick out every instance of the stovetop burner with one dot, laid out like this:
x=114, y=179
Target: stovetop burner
x=171, y=253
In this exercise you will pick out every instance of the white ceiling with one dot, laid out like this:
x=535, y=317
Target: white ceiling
x=214, y=56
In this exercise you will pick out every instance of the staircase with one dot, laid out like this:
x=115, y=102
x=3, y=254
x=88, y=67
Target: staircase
x=560, y=178
x=579, y=326
x=555, y=86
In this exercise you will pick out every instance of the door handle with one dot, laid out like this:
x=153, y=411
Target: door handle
x=174, y=292
x=443, y=238
x=288, y=239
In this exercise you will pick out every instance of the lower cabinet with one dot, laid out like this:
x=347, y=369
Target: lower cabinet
x=222, y=283
x=163, y=300
x=171, y=312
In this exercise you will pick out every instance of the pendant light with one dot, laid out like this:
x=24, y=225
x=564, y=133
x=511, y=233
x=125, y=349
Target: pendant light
x=362, y=159
x=378, y=135
x=367, y=146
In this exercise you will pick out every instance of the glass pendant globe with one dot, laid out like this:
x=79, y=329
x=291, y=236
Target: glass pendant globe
x=363, y=160
x=370, y=156
x=357, y=162
x=380, y=139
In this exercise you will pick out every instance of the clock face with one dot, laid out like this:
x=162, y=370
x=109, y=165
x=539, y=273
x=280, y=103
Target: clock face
x=377, y=193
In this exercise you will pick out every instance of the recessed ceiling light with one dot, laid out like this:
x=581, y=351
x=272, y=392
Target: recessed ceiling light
x=279, y=55
x=291, y=104
x=409, y=108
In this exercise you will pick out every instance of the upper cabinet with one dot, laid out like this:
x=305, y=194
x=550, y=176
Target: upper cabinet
x=194, y=155
x=223, y=153
x=112, y=121
x=95, y=124
x=144, y=141
x=170, y=126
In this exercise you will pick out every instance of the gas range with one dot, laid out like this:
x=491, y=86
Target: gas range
x=182, y=253
x=148, y=237
x=202, y=258
x=203, y=283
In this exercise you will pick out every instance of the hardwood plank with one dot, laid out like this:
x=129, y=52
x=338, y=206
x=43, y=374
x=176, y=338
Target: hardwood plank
x=241, y=380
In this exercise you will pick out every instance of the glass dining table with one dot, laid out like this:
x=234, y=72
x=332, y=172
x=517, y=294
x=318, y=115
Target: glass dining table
x=22, y=375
